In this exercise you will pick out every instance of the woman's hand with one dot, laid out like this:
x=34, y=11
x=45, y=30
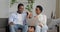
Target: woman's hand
x=40, y=24
x=35, y=17
x=29, y=15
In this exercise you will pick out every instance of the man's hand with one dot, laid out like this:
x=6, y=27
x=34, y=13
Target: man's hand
x=11, y=23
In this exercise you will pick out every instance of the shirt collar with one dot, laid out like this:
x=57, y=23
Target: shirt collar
x=40, y=15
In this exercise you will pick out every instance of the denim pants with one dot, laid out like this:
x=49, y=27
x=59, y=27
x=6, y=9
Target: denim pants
x=14, y=28
x=41, y=29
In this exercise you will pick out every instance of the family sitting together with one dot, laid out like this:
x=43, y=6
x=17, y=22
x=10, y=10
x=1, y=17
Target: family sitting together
x=18, y=20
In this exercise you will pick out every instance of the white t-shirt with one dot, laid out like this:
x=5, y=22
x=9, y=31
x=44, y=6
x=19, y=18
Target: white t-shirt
x=20, y=21
x=17, y=18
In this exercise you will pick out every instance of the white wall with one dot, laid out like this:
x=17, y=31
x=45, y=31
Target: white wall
x=48, y=5
x=4, y=8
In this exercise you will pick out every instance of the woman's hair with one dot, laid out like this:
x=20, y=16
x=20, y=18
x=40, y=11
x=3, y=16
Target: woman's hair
x=40, y=7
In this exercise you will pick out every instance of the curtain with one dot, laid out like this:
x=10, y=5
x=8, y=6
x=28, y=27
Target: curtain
x=57, y=12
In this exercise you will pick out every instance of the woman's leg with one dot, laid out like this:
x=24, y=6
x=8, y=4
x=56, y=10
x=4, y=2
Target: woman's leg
x=44, y=29
x=38, y=28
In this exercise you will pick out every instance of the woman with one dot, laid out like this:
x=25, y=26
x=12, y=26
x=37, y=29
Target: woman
x=42, y=25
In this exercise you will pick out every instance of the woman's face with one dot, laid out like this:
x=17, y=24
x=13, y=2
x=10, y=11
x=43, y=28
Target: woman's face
x=38, y=11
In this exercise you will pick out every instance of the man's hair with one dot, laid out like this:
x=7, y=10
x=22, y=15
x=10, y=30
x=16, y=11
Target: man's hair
x=20, y=5
x=40, y=7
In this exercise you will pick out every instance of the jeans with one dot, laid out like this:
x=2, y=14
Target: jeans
x=41, y=29
x=14, y=28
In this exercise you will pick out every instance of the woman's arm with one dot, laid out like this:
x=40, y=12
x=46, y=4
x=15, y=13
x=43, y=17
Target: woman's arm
x=29, y=14
x=43, y=21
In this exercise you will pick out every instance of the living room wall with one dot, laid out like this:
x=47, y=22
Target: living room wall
x=48, y=5
x=4, y=9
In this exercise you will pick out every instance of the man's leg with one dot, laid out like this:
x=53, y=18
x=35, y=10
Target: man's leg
x=13, y=28
x=38, y=28
x=25, y=28
x=44, y=29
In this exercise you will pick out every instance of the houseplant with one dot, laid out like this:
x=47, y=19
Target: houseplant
x=29, y=7
x=12, y=2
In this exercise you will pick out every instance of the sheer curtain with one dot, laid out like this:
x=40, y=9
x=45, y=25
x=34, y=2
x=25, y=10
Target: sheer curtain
x=57, y=12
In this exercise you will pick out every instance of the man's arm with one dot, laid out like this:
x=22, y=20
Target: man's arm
x=11, y=18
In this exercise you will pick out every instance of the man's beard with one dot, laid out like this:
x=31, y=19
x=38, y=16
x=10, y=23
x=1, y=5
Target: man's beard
x=19, y=12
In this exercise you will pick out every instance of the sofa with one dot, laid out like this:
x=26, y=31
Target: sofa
x=3, y=24
x=4, y=27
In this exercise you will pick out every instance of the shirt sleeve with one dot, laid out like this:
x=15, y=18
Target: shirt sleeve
x=44, y=21
x=11, y=18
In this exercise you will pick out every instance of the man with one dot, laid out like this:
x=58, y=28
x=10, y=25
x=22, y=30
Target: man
x=42, y=25
x=18, y=20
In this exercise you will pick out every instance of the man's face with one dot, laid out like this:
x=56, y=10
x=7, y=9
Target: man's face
x=21, y=8
x=38, y=11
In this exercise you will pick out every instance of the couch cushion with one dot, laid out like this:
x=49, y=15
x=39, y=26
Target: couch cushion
x=3, y=22
x=2, y=30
